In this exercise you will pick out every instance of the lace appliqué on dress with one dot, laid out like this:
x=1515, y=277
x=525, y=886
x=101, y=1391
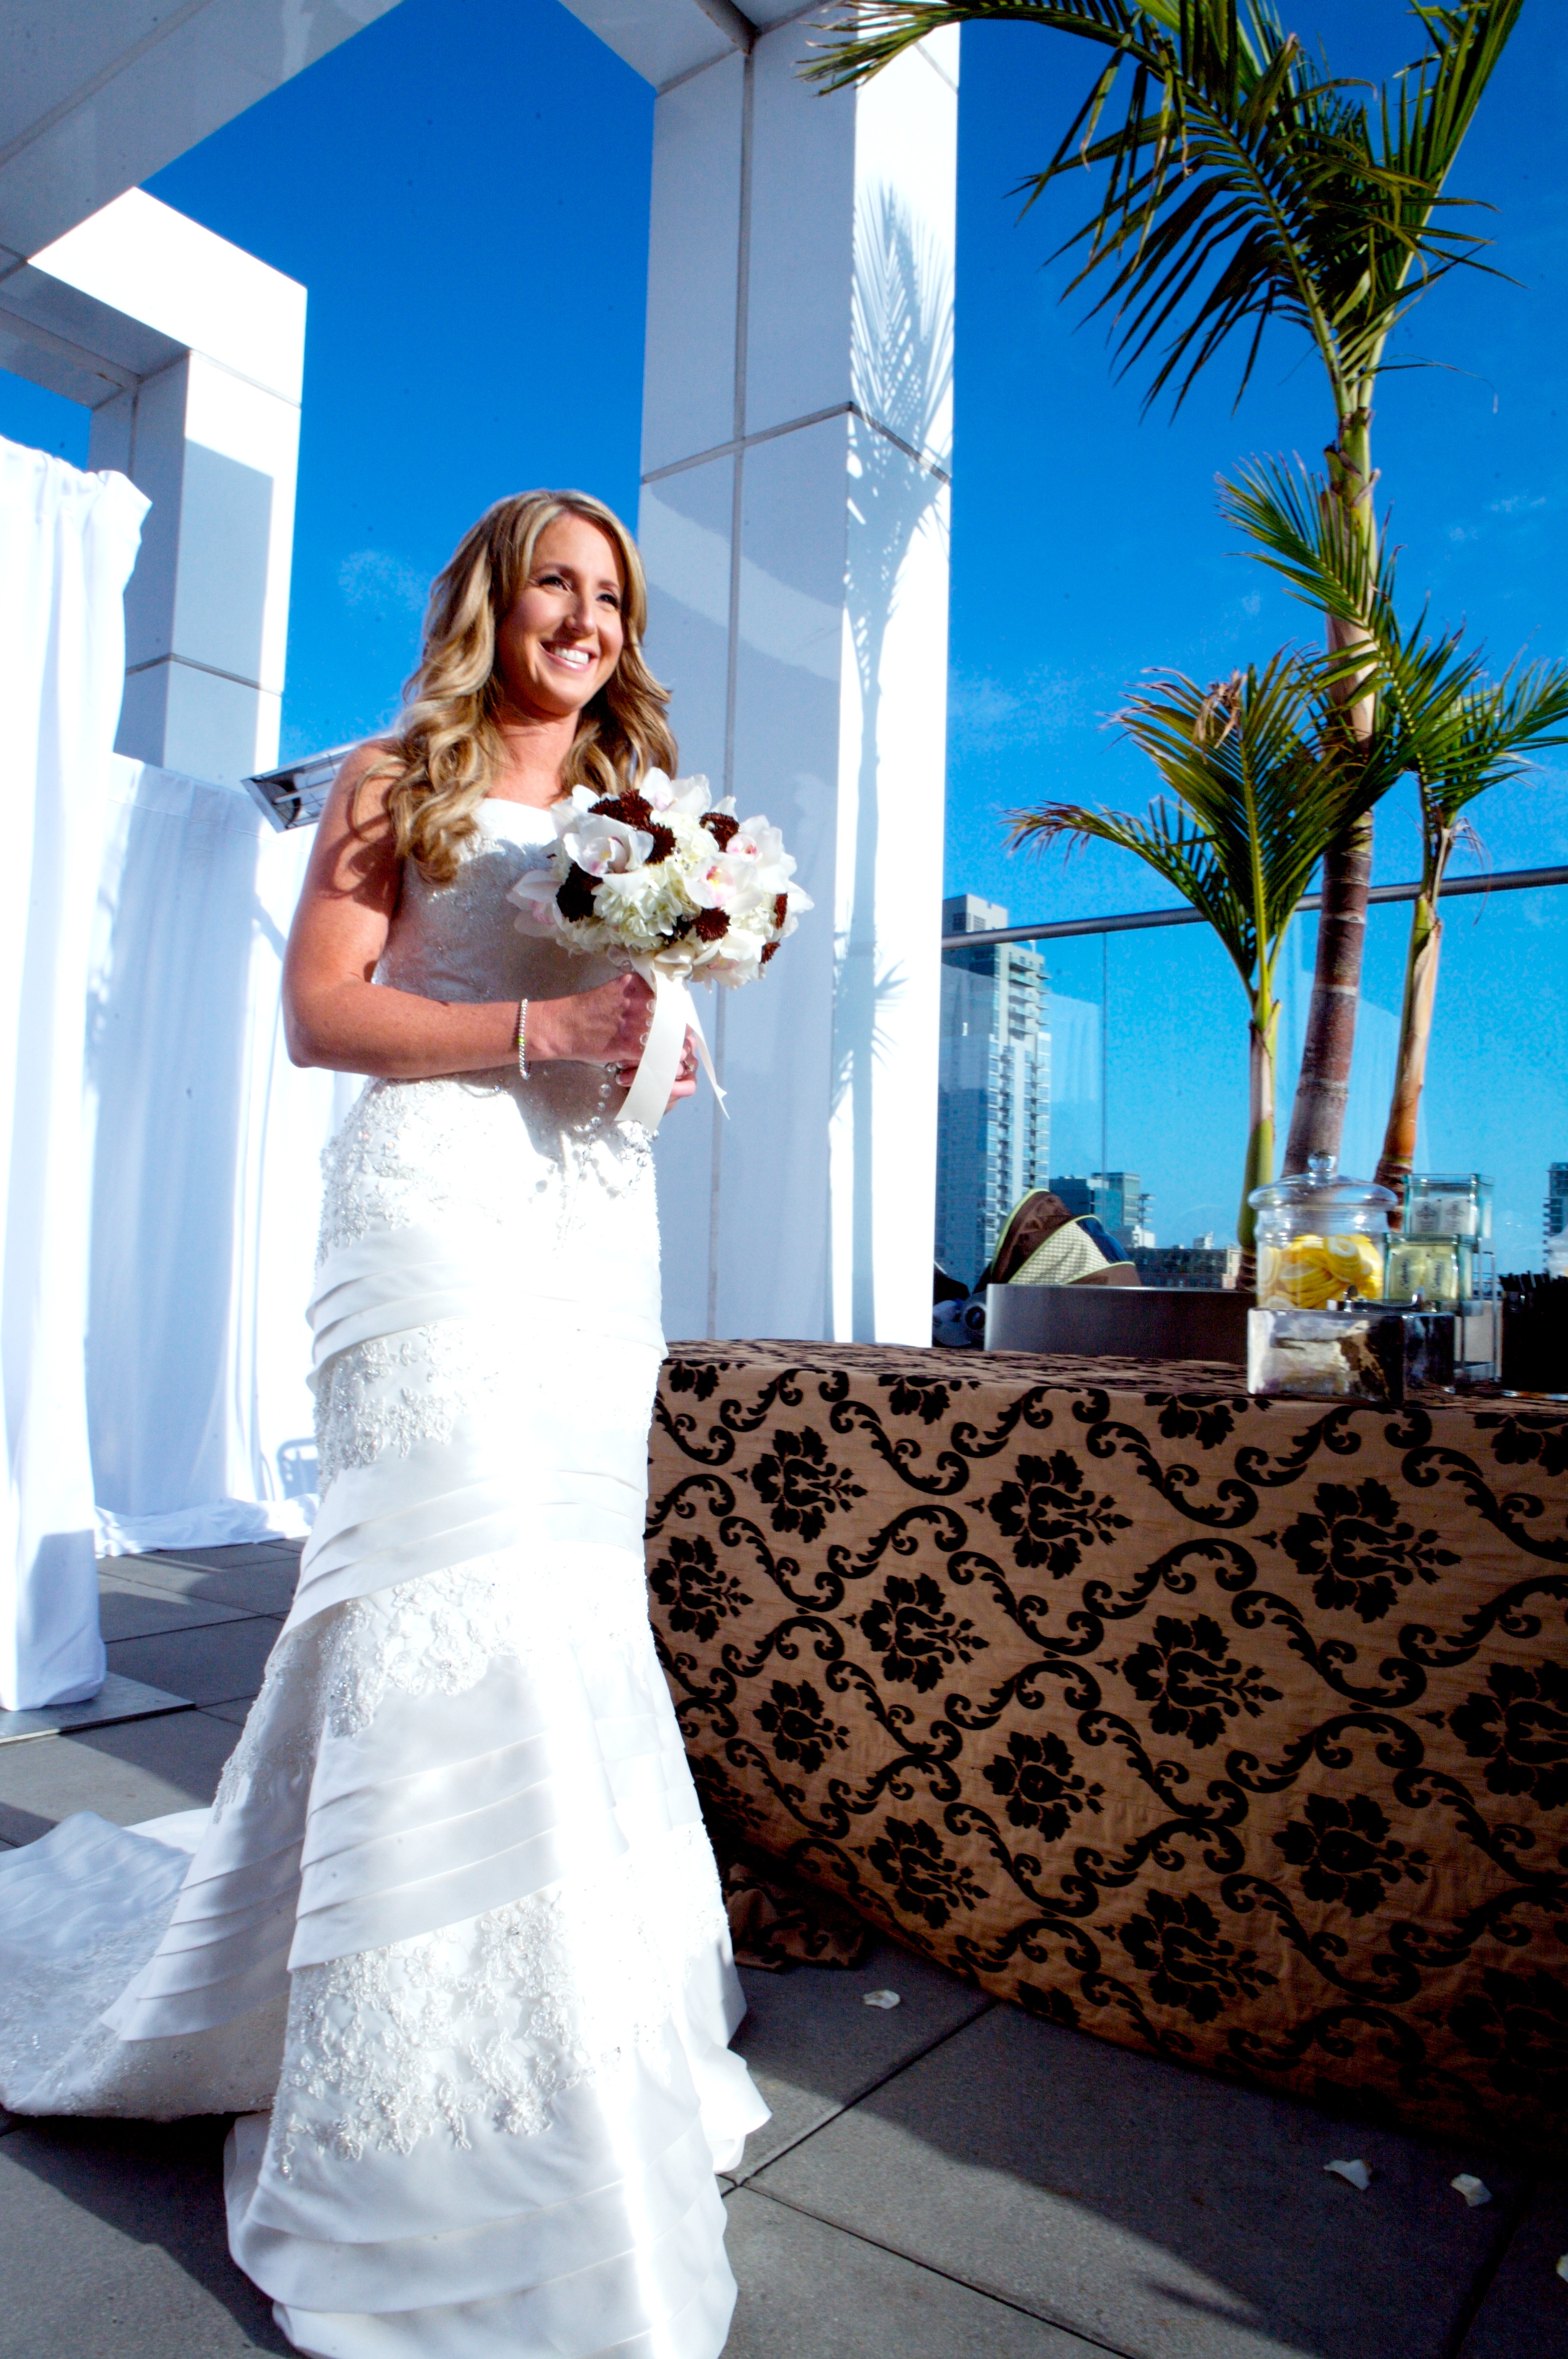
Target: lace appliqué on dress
x=405, y=1154
x=490, y=2020
x=398, y=1390
x=443, y=1634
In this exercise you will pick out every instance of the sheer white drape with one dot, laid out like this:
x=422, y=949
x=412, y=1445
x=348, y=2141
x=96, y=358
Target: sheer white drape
x=206, y=1174
x=68, y=541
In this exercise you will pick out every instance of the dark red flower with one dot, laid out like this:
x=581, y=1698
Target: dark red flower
x=722, y=828
x=628, y=805
x=575, y=898
x=711, y=924
x=635, y=811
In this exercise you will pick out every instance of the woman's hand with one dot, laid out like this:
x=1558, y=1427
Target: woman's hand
x=606, y=1026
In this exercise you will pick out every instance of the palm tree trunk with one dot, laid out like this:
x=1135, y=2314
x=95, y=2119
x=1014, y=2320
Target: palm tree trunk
x=1260, y=1039
x=1317, y=1117
x=1398, y=1158
x=1323, y=1091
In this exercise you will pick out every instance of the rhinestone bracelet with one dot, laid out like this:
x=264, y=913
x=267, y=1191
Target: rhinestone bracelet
x=523, y=1039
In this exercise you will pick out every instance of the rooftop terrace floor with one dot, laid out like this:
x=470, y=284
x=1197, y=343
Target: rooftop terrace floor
x=945, y=2179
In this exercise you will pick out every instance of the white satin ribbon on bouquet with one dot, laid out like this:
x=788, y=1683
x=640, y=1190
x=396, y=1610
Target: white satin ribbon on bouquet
x=674, y=1015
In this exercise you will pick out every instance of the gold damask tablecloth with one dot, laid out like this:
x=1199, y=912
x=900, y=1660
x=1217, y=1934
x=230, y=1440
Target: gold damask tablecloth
x=1230, y=1729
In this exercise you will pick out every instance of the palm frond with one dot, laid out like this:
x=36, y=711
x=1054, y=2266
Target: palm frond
x=869, y=33
x=1461, y=735
x=1309, y=539
x=1459, y=732
x=1242, y=184
x=1260, y=777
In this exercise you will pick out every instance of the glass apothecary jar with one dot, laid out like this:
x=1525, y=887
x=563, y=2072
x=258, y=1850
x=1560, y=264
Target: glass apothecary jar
x=1321, y=1239
x=1447, y=1227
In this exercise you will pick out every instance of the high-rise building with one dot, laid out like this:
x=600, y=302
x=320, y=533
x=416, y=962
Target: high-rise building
x=993, y=1125
x=1115, y=1199
x=1555, y=1226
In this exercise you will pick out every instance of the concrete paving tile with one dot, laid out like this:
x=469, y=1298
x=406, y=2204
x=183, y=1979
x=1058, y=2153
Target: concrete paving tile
x=814, y=2046
x=236, y=1713
x=235, y=1553
x=210, y=1664
x=1523, y=2313
x=139, y=1770
x=808, y=2291
x=127, y=1610
x=261, y=1583
x=112, y=2245
x=1162, y=2213
x=117, y=1699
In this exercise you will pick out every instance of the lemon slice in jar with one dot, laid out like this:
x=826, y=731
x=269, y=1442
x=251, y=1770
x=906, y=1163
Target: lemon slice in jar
x=1354, y=1263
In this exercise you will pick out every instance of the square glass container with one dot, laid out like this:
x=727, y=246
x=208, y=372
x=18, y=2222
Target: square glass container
x=1322, y=1240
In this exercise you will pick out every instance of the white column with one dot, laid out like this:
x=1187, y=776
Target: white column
x=794, y=522
x=206, y=423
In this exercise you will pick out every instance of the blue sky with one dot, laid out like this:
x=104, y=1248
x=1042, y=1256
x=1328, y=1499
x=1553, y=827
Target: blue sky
x=464, y=189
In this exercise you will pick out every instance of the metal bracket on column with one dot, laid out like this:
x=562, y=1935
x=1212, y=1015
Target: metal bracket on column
x=296, y=795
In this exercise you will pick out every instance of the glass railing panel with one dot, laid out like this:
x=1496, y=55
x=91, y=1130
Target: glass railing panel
x=1140, y=1040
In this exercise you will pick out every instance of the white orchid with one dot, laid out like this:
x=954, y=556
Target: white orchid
x=602, y=846
x=691, y=796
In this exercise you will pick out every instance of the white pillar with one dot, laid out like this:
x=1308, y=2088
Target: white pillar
x=206, y=421
x=796, y=435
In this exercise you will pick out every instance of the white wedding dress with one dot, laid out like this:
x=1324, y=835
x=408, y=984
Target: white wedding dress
x=451, y=1941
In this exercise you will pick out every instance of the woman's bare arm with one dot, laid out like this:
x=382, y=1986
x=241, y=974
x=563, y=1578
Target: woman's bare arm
x=335, y=1015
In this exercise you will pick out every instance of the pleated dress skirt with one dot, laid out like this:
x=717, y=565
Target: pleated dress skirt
x=451, y=1941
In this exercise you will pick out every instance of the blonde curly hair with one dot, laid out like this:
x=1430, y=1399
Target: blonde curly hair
x=446, y=748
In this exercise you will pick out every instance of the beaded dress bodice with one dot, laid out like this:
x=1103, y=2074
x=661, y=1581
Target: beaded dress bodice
x=459, y=941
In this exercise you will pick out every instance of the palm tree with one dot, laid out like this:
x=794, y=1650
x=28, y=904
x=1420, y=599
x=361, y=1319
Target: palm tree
x=1262, y=773
x=1458, y=732
x=1247, y=186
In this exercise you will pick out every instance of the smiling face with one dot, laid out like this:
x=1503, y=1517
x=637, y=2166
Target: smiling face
x=563, y=637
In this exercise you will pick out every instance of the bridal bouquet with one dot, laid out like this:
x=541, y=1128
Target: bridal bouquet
x=664, y=881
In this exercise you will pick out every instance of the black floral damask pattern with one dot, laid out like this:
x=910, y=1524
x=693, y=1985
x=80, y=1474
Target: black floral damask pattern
x=1036, y=1779
x=802, y=1729
x=803, y=1484
x=1233, y=1730
x=696, y=1591
x=1357, y=1550
x=1192, y=1680
x=924, y=1878
x=1178, y=1943
x=1051, y=1515
x=1347, y=1852
x=1194, y=1417
x=1523, y=1440
x=1519, y=1729
x=1519, y=2024
x=914, y=1633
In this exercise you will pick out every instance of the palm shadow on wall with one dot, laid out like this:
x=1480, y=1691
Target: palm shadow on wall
x=901, y=372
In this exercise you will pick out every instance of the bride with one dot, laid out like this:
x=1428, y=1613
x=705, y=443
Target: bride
x=449, y=1942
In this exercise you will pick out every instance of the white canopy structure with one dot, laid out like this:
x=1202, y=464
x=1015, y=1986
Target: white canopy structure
x=795, y=438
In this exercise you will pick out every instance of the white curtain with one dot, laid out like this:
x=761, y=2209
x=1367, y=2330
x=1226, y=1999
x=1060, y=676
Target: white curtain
x=207, y=1183
x=68, y=541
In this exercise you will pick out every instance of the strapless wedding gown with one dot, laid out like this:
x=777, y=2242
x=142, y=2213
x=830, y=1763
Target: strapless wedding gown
x=451, y=1941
